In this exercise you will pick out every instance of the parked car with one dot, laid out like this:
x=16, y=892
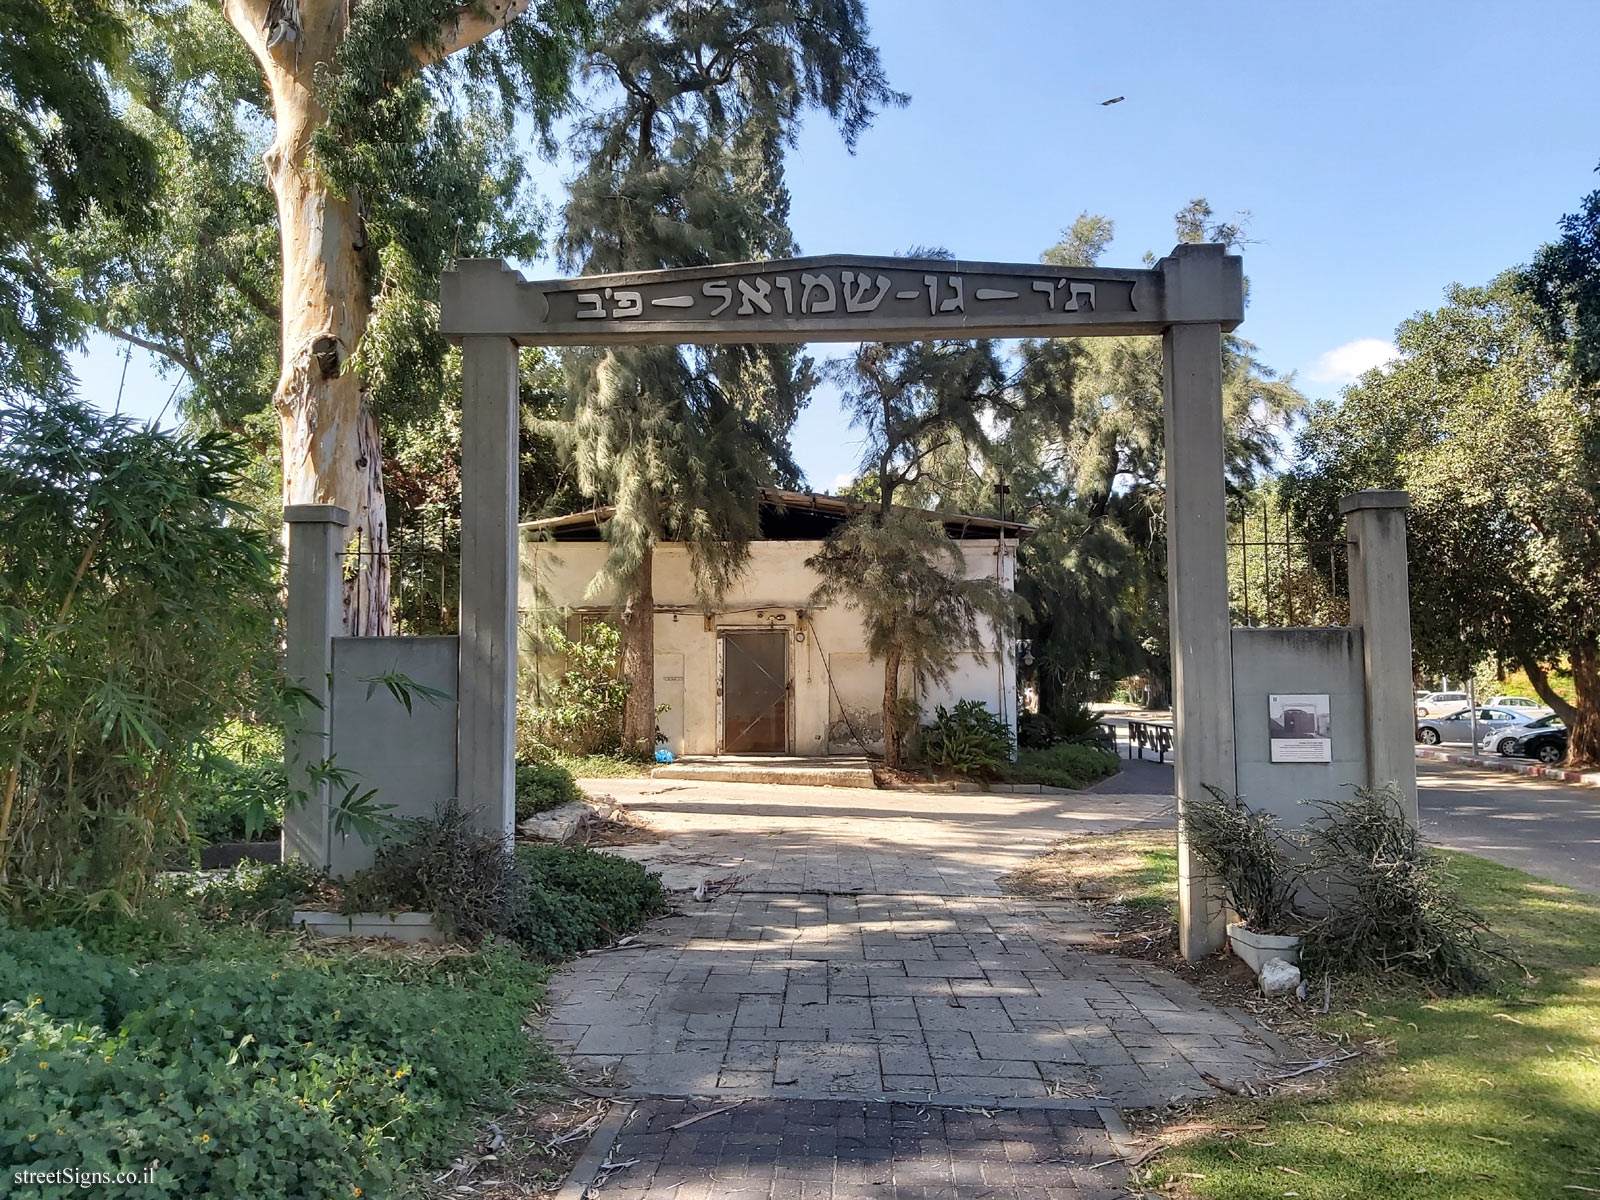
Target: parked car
x=1522, y=703
x=1435, y=704
x=1544, y=738
x=1456, y=728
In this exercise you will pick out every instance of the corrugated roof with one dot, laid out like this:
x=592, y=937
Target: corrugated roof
x=957, y=525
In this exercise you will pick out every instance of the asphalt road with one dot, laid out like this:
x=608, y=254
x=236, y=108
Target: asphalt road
x=1540, y=826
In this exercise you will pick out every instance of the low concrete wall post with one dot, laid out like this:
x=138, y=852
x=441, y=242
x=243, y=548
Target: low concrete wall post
x=1380, y=604
x=315, y=599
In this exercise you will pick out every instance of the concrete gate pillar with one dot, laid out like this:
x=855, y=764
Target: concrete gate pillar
x=1380, y=604
x=486, y=732
x=1197, y=575
x=315, y=598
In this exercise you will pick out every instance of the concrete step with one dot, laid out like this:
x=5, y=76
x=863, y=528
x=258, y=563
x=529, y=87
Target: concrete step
x=790, y=771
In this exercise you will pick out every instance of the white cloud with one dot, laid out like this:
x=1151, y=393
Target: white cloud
x=840, y=482
x=1347, y=363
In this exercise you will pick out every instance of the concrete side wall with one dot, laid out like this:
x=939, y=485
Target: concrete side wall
x=1268, y=661
x=770, y=594
x=409, y=757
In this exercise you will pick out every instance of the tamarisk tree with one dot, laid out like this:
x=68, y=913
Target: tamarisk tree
x=681, y=165
x=896, y=567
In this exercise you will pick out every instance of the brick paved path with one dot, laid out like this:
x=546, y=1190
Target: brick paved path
x=867, y=975
x=972, y=998
x=860, y=1150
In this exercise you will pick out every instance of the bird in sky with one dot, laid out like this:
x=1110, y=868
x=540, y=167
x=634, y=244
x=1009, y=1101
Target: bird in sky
x=1113, y=100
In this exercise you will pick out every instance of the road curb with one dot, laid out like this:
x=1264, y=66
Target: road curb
x=1538, y=771
x=587, y=1169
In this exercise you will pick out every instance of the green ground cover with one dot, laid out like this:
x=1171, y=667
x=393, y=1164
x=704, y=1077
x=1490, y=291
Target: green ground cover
x=261, y=1063
x=1065, y=765
x=1488, y=1097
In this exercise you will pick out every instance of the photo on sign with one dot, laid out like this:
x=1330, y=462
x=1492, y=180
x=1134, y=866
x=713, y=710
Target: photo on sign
x=1301, y=728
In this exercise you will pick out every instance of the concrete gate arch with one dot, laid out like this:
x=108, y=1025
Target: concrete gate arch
x=1190, y=299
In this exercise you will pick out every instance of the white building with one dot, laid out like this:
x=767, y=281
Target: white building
x=764, y=672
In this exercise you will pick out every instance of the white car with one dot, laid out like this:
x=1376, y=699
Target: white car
x=1457, y=728
x=1521, y=703
x=1434, y=704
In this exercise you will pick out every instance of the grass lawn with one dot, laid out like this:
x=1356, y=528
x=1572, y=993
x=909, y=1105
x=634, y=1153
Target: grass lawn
x=603, y=766
x=1454, y=1098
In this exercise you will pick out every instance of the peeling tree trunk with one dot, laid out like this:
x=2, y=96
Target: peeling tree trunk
x=893, y=739
x=639, y=658
x=331, y=448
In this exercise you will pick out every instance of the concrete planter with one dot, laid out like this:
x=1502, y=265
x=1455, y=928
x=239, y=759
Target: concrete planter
x=402, y=927
x=1255, y=948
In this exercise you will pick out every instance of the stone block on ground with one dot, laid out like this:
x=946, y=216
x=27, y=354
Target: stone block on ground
x=557, y=824
x=1278, y=978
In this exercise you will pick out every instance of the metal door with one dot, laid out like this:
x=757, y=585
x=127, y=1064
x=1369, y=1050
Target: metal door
x=755, y=691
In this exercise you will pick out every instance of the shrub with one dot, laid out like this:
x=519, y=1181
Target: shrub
x=1393, y=906
x=553, y=901
x=968, y=739
x=264, y=894
x=580, y=711
x=1245, y=850
x=542, y=786
x=1076, y=725
x=256, y=1077
x=579, y=899
x=237, y=802
x=136, y=611
x=445, y=865
x=1064, y=765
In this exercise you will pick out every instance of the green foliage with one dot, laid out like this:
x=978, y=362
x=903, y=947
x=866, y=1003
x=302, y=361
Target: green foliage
x=968, y=739
x=580, y=711
x=251, y=1075
x=907, y=580
x=579, y=899
x=444, y=865
x=135, y=616
x=1476, y=421
x=552, y=901
x=681, y=164
x=542, y=786
x=263, y=894
x=1064, y=765
x=1394, y=906
x=244, y=787
x=1246, y=850
x=1085, y=461
x=1074, y=723
x=65, y=154
x=1564, y=283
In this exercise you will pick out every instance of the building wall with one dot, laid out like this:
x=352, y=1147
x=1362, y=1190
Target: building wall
x=771, y=594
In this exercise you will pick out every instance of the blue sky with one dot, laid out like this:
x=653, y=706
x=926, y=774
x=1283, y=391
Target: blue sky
x=1382, y=150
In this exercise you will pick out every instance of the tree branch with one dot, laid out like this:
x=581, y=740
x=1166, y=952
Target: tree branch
x=171, y=353
x=470, y=25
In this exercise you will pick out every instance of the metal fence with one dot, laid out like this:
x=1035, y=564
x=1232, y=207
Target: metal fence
x=423, y=586
x=1276, y=578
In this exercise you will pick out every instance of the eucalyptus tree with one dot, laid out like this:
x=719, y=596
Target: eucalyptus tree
x=693, y=106
x=914, y=403
x=66, y=155
x=322, y=162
